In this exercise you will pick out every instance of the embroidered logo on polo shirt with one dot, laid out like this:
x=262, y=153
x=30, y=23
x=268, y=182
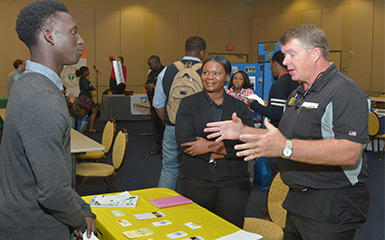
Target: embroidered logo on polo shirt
x=310, y=105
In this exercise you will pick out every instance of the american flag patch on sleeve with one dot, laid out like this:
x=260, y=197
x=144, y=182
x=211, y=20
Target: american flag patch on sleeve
x=352, y=133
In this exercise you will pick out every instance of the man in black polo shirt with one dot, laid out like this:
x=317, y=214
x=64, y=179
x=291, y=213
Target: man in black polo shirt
x=156, y=67
x=320, y=140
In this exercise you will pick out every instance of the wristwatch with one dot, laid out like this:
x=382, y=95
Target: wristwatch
x=288, y=149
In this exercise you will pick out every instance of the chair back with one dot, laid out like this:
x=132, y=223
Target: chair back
x=119, y=149
x=277, y=194
x=108, y=92
x=381, y=104
x=373, y=124
x=108, y=135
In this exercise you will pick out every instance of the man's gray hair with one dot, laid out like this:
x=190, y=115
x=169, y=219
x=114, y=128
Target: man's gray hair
x=310, y=36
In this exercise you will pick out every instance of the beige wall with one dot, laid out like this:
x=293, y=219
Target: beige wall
x=137, y=29
x=356, y=28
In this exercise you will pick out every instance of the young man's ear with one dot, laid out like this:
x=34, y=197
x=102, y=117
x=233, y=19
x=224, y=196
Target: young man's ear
x=48, y=36
x=202, y=54
x=274, y=63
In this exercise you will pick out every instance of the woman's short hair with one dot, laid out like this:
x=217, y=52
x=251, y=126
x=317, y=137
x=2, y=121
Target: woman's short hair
x=121, y=59
x=17, y=63
x=221, y=60
x=246, y=80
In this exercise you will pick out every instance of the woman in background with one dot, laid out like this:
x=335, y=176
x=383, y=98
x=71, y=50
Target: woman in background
x=240, y=87
x=85, y=89
x=212, y=175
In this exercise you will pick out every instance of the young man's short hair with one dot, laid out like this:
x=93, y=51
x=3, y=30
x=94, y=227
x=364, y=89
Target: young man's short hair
x=36, y=16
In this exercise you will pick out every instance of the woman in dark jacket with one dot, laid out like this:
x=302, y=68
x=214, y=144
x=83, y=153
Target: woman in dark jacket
x=212, y=175
x=85, y=89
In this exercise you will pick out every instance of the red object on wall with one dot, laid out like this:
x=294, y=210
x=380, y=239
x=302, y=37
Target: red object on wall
x=229, y=47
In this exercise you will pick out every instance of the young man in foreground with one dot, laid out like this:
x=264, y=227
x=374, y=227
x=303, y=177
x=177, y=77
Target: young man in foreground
x=36, y=197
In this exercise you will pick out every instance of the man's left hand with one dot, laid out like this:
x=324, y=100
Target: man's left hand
x=91, y=227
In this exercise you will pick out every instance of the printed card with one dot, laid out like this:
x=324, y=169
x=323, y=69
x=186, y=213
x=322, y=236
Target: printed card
x=194, y=238
x=192, y=225
x=177, y=235
x=124, y=223
x=144, y=216
x=138, y=233
x=162, y=223
x=117, y=213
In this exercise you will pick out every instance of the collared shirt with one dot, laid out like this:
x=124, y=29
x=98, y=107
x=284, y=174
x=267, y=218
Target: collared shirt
x=215, y=109
x=242, y=95
x=160, y=97
x=335, y=107
x=49, y=73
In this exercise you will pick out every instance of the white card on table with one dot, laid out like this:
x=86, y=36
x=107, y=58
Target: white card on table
x=192, y=225
x=117, y=213
x=177, y=235
x=144, y=216
x=162, y=223
x=124, y=222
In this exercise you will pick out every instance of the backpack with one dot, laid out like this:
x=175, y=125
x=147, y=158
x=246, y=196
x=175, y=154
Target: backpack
x=186, y=82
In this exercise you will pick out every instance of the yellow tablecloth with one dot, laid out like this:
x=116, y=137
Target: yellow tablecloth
x=212, y=225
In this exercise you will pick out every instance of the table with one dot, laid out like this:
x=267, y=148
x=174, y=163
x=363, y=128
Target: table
x=145, y=105
x=80, y=143
x=212, y=225
x=122, y=107
x=2, y=113
x=377, y=99
x=2, y=117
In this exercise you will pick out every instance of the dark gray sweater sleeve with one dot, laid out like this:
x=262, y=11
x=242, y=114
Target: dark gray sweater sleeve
x=42, y=131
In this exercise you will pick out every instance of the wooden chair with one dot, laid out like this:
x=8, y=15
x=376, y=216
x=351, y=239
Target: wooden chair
x=381, y=104
x=271, y=230
x=109, y=92
x=374, y=127
x=107, y=140
x=103, y=170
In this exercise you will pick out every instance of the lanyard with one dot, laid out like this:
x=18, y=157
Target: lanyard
x=299, y=98
x=219, y=119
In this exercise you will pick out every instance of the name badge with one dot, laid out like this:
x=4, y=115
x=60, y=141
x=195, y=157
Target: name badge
x=310, y=105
